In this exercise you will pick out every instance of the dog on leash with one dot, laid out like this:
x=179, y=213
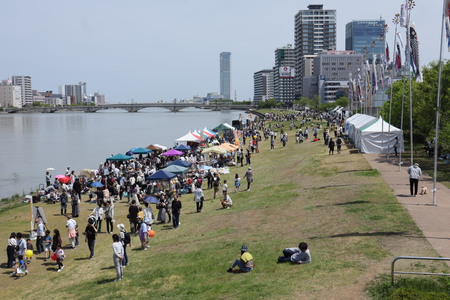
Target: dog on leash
x=423, y=190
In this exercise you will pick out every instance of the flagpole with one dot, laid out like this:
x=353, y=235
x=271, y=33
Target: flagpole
x=409, y=6
x=438, y=107
x=395, y=20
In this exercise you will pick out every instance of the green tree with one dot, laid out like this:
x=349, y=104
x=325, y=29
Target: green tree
x=343, y=101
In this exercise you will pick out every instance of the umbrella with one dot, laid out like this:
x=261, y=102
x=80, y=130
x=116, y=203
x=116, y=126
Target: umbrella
x=64, y=179
x=205, y=167
x=180, y=162
x=140, y=150
x=160, y=146
x=183, y=148
x=120, y=157
x=59, y=176
x=97, y=184
x=151, y=199
x=229, y=146
x=162, y=175
x=215, y=149
x=154, y=148
x=172, y=152
x=50, y=169
x=176, y=169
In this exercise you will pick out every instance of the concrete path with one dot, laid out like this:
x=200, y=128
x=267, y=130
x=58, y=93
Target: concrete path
x=434, y=221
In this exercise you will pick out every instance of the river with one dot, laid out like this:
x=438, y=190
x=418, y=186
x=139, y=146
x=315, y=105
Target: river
x=31, y=143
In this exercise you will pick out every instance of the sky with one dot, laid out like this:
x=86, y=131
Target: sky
x=151, y=50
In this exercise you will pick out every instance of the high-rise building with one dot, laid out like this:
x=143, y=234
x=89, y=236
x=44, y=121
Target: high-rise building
x=10, y=95
x=225, y=75
x=284, y=74
x=363, y=36
x=25, y=84
x=331, y=74
x=263, y=85
x=315, y=31
x=72, y=93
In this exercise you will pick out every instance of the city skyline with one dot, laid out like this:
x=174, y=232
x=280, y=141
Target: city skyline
x=169, y=50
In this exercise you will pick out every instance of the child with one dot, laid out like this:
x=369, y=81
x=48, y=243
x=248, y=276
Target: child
x=47, y=243
x=20, y=267
x=224, y=187
x=29, y=247
x=60, y=257
x=237, y=182
x=300, y=255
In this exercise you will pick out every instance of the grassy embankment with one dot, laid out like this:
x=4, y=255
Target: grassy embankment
x=337, y=204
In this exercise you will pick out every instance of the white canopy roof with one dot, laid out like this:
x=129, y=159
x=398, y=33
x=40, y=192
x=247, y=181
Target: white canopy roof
x=379, y=126
x=189, y=137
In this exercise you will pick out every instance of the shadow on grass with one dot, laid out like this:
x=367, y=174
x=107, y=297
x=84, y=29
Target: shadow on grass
x=103, y=281
x=108, y=268
x=81, y=258
x=376, y=233
x=52, y=269
x=352, y=202
x=328, y=186
x=3, y=265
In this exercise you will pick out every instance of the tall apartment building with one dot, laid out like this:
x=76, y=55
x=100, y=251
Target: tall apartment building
x=315, y=31
x=263, y=85
x=284, y=74
x=363, y=36
x=225, y=74
x=10, y=95
x=331, y=73
x=26, y=91
x=72, y=93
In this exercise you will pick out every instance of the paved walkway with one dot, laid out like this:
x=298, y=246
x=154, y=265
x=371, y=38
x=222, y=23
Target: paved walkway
x=434, y=221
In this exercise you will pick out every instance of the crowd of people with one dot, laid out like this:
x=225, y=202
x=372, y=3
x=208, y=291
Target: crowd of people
x=120, y=181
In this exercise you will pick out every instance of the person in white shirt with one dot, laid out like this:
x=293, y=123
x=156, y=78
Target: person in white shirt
x=72, y=230
x=11, y=250
x=118, y=254
x=40, y=233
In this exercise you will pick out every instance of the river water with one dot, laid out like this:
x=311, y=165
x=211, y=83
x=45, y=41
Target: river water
x=31, y=143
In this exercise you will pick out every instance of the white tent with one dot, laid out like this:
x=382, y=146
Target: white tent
x=379, y=137
x=356, y=124
x=189, y=137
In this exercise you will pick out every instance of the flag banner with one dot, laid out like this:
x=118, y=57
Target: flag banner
x=374, y=74
x=414, y=46
x=403, y=15
x=447, y=22
x=398, y=58
x=388, y=59
x=399, y=36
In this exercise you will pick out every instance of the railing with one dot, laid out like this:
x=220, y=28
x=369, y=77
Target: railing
x=417, y=273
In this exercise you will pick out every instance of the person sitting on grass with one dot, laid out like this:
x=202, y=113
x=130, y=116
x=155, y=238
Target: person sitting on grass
x=245, y=262
x=300, y=255
x=20, y=267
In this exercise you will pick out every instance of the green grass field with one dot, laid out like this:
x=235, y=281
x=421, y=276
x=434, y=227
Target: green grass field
x=337, y=204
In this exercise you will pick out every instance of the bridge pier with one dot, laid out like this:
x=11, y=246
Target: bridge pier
x=90, y=110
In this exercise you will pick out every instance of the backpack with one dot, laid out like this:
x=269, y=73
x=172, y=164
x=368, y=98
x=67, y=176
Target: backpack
x=127, y=239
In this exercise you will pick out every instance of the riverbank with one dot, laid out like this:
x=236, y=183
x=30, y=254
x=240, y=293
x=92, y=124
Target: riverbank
x=336, y=203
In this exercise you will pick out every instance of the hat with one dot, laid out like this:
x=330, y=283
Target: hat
x=146, y=220
x=249, y=168
x=416, y=164
x=244, y=248
x=121, y=226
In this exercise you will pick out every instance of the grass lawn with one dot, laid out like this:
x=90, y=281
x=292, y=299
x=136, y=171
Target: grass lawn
x=345, y=212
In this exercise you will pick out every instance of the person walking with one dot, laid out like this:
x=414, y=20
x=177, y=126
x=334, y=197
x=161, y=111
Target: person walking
x=396, y=146
x=132, y=216
x=125, y=239
x=56, y=240
x=199, y=197
x=98, y=215
x=63, y=199
x=331, y=147
x=91, y=233
x=60, y=255
x=249, y=176
x=118, y=255
x=71, y=230
x=109, y=216
x=75, y=204
x=40, y=233
x=414, y=175
x=11, y=250
x=237, y=183
x=176, y=211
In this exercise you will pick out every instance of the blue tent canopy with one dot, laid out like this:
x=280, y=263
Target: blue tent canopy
x=180, y=162
x=140, y=150
x=162, y=175
x=120, y=157
x=176, y=169
x=183, y=147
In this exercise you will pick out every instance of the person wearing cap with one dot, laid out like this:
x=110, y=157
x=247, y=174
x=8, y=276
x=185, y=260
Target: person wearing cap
x=122, y=234
x=143, y=233
x=245, y=262
x=414, y=174
x=249, y=176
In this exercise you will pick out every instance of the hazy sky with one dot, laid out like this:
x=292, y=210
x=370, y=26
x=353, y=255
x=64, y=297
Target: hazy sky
x=148, y=50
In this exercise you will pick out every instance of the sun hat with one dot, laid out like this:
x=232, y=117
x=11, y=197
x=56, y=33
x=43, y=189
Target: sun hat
x=121, y=226
x=244, y=248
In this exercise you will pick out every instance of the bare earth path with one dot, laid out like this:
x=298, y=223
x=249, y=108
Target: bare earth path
x=434, y=221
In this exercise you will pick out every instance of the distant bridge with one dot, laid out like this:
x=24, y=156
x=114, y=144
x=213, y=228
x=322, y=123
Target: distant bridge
x=133, y=107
